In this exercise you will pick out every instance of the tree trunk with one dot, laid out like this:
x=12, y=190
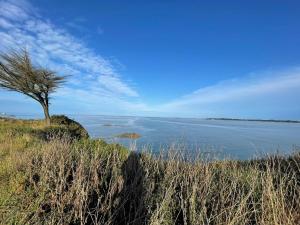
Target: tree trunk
x=47, y=115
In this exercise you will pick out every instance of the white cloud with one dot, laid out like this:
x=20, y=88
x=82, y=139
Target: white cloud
x=15, y=10
x=78, y=24
x=113, y=83
x=96, y=87
x=20, y=25
x=262, y=89
x=5, y=24
x=240, y=88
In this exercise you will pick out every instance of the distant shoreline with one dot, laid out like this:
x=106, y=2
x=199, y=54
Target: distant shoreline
x=256, y=120
x=38, y=116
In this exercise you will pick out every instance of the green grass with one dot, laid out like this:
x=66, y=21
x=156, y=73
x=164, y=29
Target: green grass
x=64, y=179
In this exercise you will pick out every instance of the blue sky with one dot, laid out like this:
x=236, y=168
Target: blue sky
x=161, y=58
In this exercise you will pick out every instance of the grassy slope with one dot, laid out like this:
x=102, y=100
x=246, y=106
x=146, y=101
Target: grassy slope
x=63, y=181
x=22, y=141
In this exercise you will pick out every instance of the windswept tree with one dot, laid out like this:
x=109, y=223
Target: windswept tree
x=17, y=73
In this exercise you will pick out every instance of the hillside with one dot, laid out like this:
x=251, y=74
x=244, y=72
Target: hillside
x=57, y=175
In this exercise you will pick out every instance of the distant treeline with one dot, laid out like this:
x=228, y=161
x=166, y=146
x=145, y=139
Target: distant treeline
x=256, y=120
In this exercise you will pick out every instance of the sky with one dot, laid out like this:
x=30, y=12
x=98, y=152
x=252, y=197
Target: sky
x=165, y=58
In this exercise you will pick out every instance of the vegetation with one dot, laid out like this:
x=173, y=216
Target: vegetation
x=67, y=126
x=65, y=180
x=17, y=73
x=129, y=135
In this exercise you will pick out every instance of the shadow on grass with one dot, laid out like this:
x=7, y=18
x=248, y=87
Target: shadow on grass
x=131, y=208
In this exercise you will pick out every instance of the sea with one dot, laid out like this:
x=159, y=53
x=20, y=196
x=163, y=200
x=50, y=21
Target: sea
x=223, y=138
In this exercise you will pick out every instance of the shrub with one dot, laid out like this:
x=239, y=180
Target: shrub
x=69, y=126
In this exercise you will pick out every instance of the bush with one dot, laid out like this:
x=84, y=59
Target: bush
x=67, y=126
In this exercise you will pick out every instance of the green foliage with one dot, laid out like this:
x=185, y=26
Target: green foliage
x=67, y=126
x=18, y=73
x=95, y=146
x=61, y=126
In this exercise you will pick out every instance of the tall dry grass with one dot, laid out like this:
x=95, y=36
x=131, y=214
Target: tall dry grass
x=90, y=182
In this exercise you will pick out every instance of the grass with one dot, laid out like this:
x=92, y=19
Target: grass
x=62, y=180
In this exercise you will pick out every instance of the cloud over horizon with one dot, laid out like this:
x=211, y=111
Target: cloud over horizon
x=270, y=90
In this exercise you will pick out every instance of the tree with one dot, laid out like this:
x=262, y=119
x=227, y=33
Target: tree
x=17, y=73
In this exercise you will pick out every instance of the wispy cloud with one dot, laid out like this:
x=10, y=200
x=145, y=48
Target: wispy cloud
x=55, y=47
x=273, y=90
x=78, y=24
x=95, y=86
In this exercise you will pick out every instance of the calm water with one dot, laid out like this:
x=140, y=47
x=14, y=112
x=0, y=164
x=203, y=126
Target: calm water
x=237, y=139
